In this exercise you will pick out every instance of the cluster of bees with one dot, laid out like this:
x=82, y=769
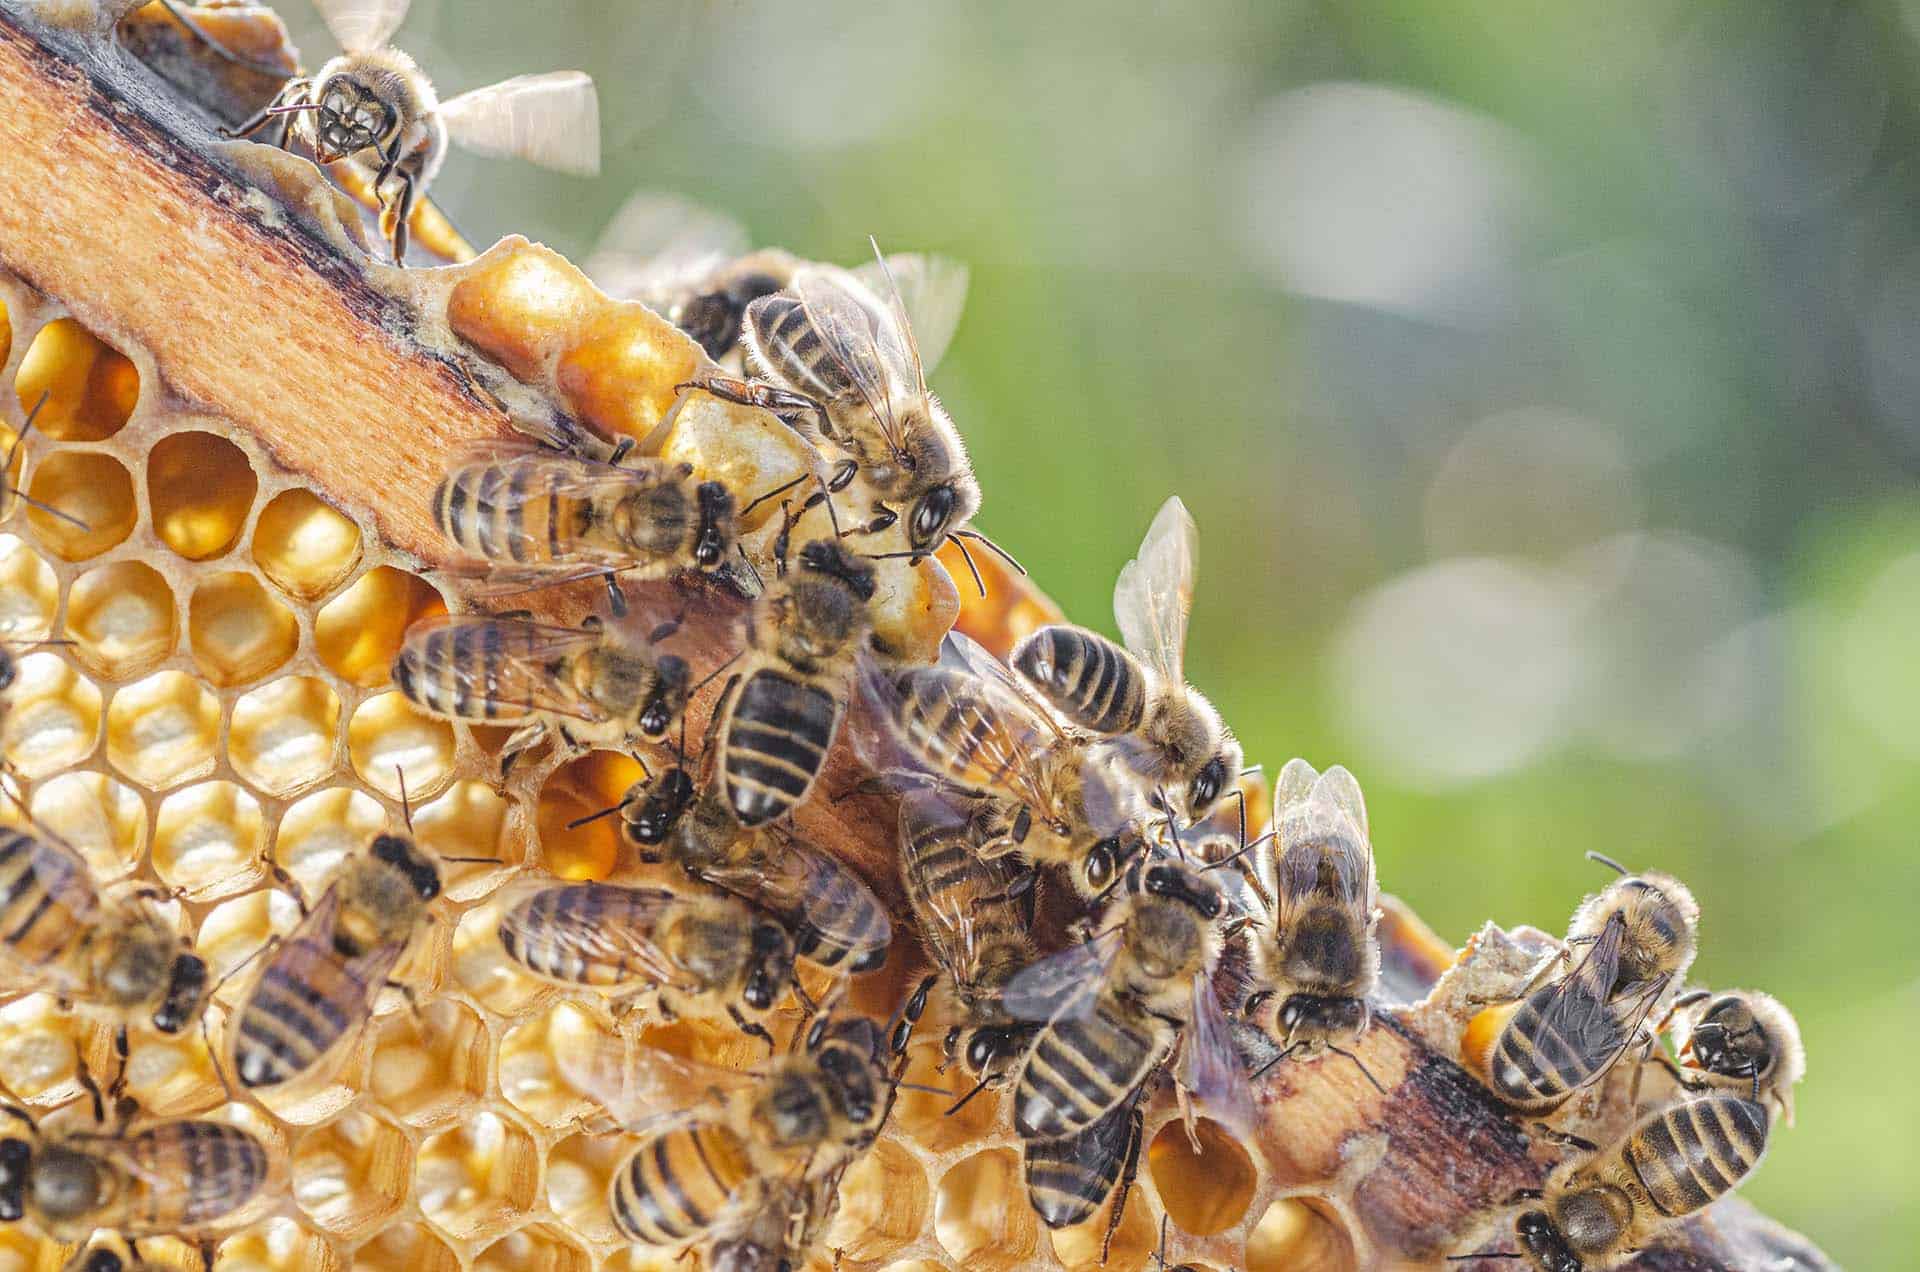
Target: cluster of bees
x=1079, y=765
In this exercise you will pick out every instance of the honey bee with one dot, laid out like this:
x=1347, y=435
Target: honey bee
x=60, y=934
x=777, y=1234
x=1159, y=726
x=592, y=685
x=779, y=716
x=692, y=953
x=1598, y=1211
x=1568, y=1032
x=532, y=517
x=373, y=98
x=974, y=919
x=1069, y=1179
x=319, y=984
x=172, y=1178
x=716, y=1142
x=1323, y=959
x=102, y=1259
x=1742, y=1041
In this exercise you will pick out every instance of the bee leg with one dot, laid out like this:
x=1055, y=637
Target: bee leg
x=622, y=450
x=843, y=473
x=206, y=1253
x=1128, y=1173
x=519, y=742
x=616, y=599
x=290, y=885
x=753, y=1030
x=413, y=1000
x=267, y=114
x=83, y=1074
x=1564, y=1139
x=886, y=518
x=786, y=406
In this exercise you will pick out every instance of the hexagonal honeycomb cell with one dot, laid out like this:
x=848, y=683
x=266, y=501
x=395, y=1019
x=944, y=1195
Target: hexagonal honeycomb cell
x=304, y=545
x=29, y=592
x=282, y=736
x=238, y=631
x=358, y=632
x=54, y=716
x=476, y=1179
x=121, y=619
x=351, y=1175
x=102, y=818
x=163, y=729
x=209, y=840
x=82, y=504
x=90, y=387
x=199, y=488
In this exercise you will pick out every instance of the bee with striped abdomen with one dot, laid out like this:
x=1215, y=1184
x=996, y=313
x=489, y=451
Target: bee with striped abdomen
x=531, y=517
x=318, y=986
x=114, y=955
x=596, y=685
x=1069, y=1179
x=1160, y=727
x=1322, y=959
x=780, y=714
x=173, y=1178
x=373, y=100
x=1741, y=1041
x=1569, y=1031
x=699, y=954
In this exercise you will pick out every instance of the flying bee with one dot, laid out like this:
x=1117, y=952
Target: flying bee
x=173, y=1178
x=533, y=517
x=319, y=984
x=1598, y=1211
x=373, y=99
x=1742, y=1041
x=730, y=1135
x=1570, y=1030
x=780, y=715
x=592, y=685
x=1323, y=959
x=974, y=919
x=693, y=953
x=116, y=955
x=1159, y=726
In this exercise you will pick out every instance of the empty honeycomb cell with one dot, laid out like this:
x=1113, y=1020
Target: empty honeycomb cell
x=483, y=969
x=351, y=1175
x=317, y=833
x=884, y=1200
x=282, y=737
x=978, y=1216
x=577, y=789
x=1300, y=1235
x=277, y=1245
x=238, y=631
x=579, y=1170
x=923, y=1116
x=29, y=592
x=430, y=1068
x=469, y=821
x=39, y=1060
x=83, y=504
x=358, y=632
x=54, y=717
x=1083, y=1248
x=121, y=619
x=162, y=730
x=209, y=841
x=539, y=1248
x=98, y=816
x=478, y=1178
x=1205, y=1192
x=406, y=1247
x=170, y=1075
x=90, y=387
x=917, y=1265
x=529, y=1076
x=199, y=490
x=387, y=738
x=305, y=545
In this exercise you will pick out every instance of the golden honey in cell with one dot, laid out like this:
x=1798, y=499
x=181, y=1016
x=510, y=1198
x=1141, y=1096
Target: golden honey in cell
x=116, y=956
x=317, y=987
x=1743, y=1042
x=1160, y=728
x=596, y=685
x=689, y=951
x=372, y=104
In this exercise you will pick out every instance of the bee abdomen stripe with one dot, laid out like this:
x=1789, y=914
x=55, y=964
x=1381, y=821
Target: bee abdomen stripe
x=487, y=511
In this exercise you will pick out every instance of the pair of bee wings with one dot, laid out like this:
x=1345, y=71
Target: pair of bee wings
x=551, y=119
x=316, y=930
x=1320, y=824
x=807, y=890
x=951, y=924
x=647, y=1091
x=1154, y=593
x=62, y=874
x=1586, y=1019
x=515, y=673
x=593, y=939
x=126, y=1154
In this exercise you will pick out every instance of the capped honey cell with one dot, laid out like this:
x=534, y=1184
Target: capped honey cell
x=90, y=388
x=199, y=489
x=304, y=545
x=121, y=619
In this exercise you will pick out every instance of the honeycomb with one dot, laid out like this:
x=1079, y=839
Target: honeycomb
x=232, y=605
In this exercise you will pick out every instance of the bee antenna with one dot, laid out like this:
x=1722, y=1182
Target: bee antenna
x=966, y=1099
x=290, y=107
x=1608, y=862
x=706, y=680
x=921, y=1086
x=646, y=773
x=1341, y=1051
x=25, y=428
x=590, y=818
x=971, y=567
x=1242, y=851
x=14, y=450
x=1287, y=1053
x=1491, y=1254
x=991, y=546
x=777, y=491
x=1251, y=769
x=1173, y=827
x=406, y=809
x=476, y=861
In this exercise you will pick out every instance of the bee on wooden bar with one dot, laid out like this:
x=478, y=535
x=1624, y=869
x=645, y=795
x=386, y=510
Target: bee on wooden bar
x=692, y=953
x=372, y=102
x=596, y=685
x=1159, y=726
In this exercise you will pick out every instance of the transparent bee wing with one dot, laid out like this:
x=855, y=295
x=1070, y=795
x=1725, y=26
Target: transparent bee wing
x=1340, y=787
x=559, y=918
x=361, y=26
x=59, y=871
x=932, y=293
x=949, y=918
x=1576, y=1007
x=822, y=901
x=1292, y=786
x=1210, y=1067
x=965, y=653
x=516, y=670
x=222, y=1183
x=551, y=119
x=1154, y=593
x=658, y=243
x=865, y=340
x=647, y=1090
x=1063, y=985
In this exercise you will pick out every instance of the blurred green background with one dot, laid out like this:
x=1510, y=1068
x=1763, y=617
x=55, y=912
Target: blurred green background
x=1542, y=377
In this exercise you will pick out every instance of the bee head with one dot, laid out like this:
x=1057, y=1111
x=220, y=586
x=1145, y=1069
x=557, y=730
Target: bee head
x=103, y=1261
x=770, y=969
x=352, y=117
x=186, y=994
x=1540, y=1239
x=651, y=814
x=135, y=969
x=850, y=1077
x=828, y=558
x=1208, y=784
x=989, y=1050
x=716, y=525
x=666, y=701
x=1323, y=1017
x=16, y=1171
x=1177, y=883
x=399, y=852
